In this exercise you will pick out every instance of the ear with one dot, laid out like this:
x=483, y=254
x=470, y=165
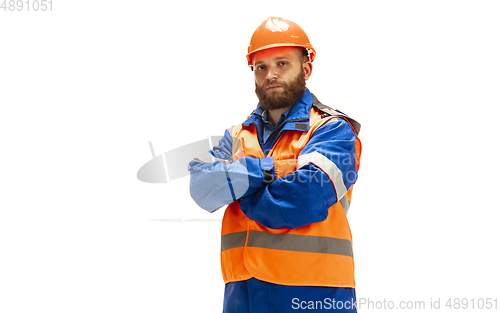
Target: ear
x=307, y=67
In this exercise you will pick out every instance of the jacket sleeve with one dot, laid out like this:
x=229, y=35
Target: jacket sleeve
x=326, y=169
x=217, y=181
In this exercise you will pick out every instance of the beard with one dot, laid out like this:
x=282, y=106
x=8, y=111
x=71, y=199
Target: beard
x=273, y=100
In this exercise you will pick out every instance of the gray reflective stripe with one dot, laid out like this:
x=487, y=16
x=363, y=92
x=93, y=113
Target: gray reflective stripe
x=288, y=242
x=299, y=243
x=329, y=167
x=233, y=240
x=345, y=203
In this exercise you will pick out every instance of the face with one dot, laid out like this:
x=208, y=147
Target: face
x=280, y=75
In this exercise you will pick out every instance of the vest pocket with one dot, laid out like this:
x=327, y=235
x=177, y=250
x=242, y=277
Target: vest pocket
x=284, y=167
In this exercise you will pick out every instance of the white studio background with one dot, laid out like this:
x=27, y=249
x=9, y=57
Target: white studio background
x=85, y=87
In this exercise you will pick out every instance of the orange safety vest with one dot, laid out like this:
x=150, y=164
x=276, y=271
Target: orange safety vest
x=319, y=254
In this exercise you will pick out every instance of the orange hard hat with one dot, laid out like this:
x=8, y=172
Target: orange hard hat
x=278, y=32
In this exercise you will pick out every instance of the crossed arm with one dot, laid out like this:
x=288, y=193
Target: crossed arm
x=325, y=171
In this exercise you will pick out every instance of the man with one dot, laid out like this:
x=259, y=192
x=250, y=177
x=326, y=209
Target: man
x=287, y=174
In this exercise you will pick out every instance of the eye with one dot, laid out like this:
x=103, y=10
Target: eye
x=282, y=63
x=261, y=67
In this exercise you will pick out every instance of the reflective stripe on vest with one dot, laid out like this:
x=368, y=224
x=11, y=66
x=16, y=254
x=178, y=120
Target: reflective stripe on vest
x=329, y=167
x=345, y=204
x=289, y=242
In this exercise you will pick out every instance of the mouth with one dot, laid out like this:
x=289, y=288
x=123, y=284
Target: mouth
x=271, y=88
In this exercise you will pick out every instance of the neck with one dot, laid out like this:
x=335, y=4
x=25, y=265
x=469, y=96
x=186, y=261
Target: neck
x=274, y=115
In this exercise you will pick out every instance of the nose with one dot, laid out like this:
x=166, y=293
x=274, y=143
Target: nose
x=272, y=73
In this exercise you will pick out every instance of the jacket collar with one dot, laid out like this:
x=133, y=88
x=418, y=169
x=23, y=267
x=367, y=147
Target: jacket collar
x=297, y=118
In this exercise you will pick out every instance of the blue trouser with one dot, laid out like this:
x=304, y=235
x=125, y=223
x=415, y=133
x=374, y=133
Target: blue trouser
x=257, y=296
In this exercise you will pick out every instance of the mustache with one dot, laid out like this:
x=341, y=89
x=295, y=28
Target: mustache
x=271, y=82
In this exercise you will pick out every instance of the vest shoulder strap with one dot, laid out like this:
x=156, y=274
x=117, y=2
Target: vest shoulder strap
x=332, y=112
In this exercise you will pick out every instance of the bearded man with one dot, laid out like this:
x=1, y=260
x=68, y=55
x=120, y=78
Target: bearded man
x=286, y=174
